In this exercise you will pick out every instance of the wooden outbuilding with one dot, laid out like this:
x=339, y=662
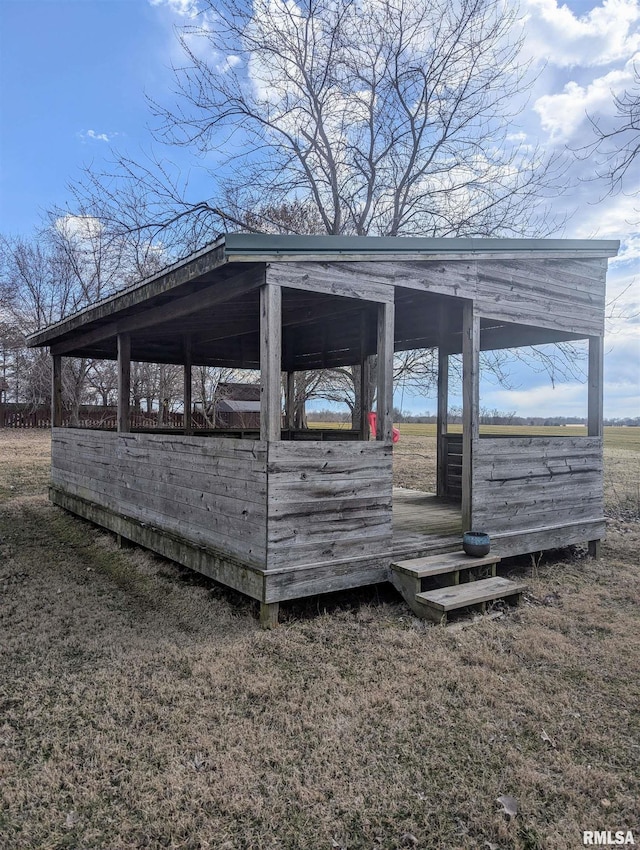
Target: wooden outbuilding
x=285, y=513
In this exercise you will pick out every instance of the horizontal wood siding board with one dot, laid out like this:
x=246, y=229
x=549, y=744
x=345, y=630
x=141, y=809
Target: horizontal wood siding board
x=552, y=537
x=547, y=293
x=363, y=281
x=209, y=510
x=176, y=443
x=327, y=502
x=173, y=516
x=183, y=550
x=173, y=483
x=253, y=482
x=326, y=578
x=531, y=483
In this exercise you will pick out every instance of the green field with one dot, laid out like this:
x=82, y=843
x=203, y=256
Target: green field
x=627, y=438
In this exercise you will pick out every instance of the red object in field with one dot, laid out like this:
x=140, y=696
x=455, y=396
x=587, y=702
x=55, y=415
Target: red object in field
x=373, y=426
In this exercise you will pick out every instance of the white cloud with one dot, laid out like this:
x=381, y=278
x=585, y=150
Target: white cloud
x=184, y=8
x=568, y=399
x=94, y=136
x=78, y=227
x=603, y=35
x=562, y=114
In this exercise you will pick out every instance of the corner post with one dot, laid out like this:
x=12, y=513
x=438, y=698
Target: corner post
x=56, y=391
x=124, y=382
x=442, y=425
x=187, y=394
x=595, y=402
x=386, y=316
x=595, y=405
x=270, y=362
x=470, y=404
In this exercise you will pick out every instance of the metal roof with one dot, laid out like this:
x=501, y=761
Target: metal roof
x=241, y=245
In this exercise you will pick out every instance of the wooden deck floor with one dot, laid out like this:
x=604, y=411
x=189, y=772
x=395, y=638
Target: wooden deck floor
x=424, y=524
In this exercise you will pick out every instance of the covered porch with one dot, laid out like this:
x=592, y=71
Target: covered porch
x=286, y=513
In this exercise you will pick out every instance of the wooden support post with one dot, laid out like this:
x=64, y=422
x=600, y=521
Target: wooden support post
x=269, y=614
x=443, y=423
x=594, y=549
x=594, y=409
x=367, y=378
x=124, y=382
x=363, y=378
x=270, y=361
x=595, y=406
x=187, y=395
x=290, y=400
x=386, y=316
x=470, y=404
x=56, y=391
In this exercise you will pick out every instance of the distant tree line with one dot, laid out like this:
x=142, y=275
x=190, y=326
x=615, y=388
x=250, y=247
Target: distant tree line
x=487, y=417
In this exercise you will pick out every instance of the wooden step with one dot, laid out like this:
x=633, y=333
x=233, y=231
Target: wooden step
x=438, y=603
x=435, y=565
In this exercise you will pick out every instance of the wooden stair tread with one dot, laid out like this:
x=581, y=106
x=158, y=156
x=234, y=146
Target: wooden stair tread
x=470, y=593
x=434, y=565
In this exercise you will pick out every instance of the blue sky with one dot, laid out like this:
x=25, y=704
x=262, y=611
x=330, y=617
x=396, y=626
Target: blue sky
x=73, y=77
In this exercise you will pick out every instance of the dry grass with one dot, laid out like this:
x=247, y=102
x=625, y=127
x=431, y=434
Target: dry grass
x=141, y=707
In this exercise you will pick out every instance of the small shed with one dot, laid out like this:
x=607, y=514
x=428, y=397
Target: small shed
x=279, y=513
x=237, y=406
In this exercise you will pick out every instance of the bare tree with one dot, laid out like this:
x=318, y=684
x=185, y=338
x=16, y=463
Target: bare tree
x=383, y=117
x=380, y=117
x=618, y=145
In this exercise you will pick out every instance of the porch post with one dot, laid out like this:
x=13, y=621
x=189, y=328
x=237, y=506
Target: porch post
x=443, y=416
x=290, y=400
x=270, y=362
x=187, y=394
x=595, y=405
x=386, y=315
x=124, y=382
x=470, y=403
x=364, y=379
x=56, y=391
x=594, y=410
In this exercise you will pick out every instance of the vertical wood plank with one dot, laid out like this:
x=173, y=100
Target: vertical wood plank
x=470, y=403
x=124, y=381
x=443, y=403
x=290, y=400
x=595, y=409
x=188, y=392
x=270, y=360
x=56, y=391
x=386, y=315
x=364, y=380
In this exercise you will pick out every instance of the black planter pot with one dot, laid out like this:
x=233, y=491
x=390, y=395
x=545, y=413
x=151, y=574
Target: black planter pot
x=476, y=543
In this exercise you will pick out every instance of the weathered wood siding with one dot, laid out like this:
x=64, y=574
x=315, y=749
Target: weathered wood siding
x=328, y=502
x=532, y=487
x=210, y=491
x=561, y=294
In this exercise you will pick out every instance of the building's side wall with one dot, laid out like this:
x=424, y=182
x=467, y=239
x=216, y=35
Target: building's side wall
x=329, y=516
x=534, y=493
x=207, y=491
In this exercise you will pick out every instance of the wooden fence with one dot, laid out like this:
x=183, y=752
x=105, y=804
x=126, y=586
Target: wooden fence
x=89, y=416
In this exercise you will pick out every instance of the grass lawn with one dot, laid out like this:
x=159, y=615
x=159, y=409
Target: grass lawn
x=142, y=707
